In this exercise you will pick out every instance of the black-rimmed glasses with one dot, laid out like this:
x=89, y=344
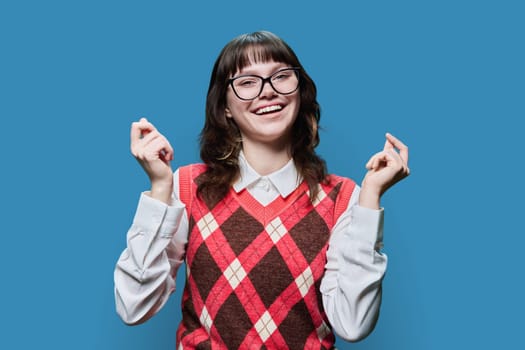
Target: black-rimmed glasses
x=249, y=87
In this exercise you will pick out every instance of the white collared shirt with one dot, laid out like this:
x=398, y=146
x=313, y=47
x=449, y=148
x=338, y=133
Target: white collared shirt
x=351, y=287
x=266, y=188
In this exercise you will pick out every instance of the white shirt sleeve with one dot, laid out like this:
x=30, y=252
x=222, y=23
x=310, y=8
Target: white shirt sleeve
x=146, y=270
x=351, y=286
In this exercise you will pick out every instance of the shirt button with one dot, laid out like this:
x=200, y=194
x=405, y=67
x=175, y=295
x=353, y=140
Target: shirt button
x=265, y=184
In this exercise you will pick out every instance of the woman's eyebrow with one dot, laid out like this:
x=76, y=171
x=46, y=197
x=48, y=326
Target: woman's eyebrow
x=249, y=71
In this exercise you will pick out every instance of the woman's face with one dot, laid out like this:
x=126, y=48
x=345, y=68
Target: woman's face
x=268, y=118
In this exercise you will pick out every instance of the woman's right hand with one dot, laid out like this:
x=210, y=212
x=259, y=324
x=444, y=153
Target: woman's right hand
x=154, y=153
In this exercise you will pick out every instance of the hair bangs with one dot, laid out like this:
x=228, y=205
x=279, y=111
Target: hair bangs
x=259, y=47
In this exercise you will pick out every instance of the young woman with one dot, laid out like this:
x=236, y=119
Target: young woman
x=279, y=254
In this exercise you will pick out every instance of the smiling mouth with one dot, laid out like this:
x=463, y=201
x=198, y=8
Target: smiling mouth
x=268, y=109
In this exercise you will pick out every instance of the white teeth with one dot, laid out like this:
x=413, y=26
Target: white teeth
x=269, y=109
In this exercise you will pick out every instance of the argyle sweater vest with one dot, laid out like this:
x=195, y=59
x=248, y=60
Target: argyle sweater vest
x=253, y=271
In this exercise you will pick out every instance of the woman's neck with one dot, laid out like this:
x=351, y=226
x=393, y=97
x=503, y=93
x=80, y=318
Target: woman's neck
x=266, y=159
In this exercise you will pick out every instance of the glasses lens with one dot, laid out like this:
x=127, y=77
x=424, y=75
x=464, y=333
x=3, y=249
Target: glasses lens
x=285, y=81
x=248, y=87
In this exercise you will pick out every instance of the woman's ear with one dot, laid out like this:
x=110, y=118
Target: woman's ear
x=228, y=113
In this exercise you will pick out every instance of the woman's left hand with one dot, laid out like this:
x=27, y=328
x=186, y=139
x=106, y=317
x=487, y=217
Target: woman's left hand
x=385, y=168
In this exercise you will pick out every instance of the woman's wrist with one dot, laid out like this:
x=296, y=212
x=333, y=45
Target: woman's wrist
x=369, y=198
x=162, y=191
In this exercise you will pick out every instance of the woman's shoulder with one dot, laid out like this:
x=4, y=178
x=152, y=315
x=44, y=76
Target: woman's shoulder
x=340, y=186
x=186, y=180
x=338, y=180
x=186, y=174
x=193, y=168
x=341, y=189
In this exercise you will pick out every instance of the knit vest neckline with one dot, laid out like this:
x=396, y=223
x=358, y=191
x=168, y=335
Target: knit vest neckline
x=272, y=209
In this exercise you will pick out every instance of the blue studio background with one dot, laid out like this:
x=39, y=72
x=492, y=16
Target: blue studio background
x=447, y=77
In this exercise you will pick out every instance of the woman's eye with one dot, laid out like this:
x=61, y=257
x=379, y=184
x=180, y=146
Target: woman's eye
x=282, y=76
x=247, y=83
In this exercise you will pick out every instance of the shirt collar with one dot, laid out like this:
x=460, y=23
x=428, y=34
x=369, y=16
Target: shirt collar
x=285, y=180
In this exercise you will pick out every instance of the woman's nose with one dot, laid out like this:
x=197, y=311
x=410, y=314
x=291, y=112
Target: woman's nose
x=267, y=90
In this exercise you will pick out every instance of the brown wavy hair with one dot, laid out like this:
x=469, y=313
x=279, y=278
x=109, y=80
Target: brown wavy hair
x=220, y=139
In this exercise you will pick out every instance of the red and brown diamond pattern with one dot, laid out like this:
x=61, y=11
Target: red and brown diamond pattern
x=254, y=272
